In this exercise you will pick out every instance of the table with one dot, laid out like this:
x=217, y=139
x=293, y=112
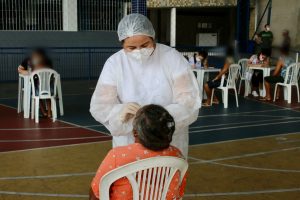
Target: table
x=200, y=78
x=26, y=98
x=266, y=72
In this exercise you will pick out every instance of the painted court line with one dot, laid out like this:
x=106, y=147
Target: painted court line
x=238, y=123
x=53, y=147
x=54, y=139
x=50, y=128
x=244, y=126
x=202, y=161
x=243, y=139
x=44, y=194
x=47, y=176
x=248, y=112
x=242, y=193
x=70, y=123
x=76, y=125
x=244, y=155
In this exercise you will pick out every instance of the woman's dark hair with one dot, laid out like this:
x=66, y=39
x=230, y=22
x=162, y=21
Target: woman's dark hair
x=155, y=127
x=263, y=52
x=45, y=59
x=203, y=53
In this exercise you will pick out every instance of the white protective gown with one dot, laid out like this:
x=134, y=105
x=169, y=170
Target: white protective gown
x=164, y=79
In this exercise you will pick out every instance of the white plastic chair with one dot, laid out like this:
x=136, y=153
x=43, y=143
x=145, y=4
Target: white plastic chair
x=242, y=74
x=290, y=79
x=140, y=175
x=231, y=84
x=20, y=93
x=44, y=76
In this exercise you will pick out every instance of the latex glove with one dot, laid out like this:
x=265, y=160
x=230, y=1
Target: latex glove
x=129, y=111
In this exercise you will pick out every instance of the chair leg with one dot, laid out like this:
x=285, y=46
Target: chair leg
x=240, y=85
x=225, y=98
x=32, y=108
x=297, y=86
x=289, y=93
x=212, y=96
x=236, y=98
x=53, y=109
x=37, y=109
x=19, y=95
x=275, y=92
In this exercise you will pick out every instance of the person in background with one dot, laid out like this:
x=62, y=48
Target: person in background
x=37, y=60
x=266, y=40
x=279, y=73
x=216, y=82
x=259, y=60
x=199, y=59
x=286, y=40
x=153, y=128
x=257, y=47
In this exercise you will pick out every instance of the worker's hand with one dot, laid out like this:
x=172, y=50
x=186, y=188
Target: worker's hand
x=129, y=111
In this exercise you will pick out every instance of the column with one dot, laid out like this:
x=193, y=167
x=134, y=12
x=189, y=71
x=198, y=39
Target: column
x=70, y=21
x=173, y=28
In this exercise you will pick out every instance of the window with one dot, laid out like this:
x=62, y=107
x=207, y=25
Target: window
x=31, y=15
x=101, y=14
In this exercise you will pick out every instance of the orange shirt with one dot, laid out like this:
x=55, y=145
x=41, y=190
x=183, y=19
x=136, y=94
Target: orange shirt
x=119, y=156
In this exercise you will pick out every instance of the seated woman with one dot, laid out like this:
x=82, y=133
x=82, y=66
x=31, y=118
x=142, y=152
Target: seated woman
x=200, y=59
x=278, y=75
x=153, y=128
x=259, y=60
x=216, y=82
x=37, y=60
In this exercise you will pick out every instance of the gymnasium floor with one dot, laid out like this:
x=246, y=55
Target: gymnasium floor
x=246, y=153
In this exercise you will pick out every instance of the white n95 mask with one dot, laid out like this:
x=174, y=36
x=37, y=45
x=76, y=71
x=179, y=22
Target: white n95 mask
x=141, y=54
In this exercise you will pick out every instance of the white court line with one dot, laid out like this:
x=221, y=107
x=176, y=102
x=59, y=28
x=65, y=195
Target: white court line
x=243, y=155
x=201, y=161
x=53, y=147
x=47, y=176
x=242, y=193
x=44, y=194
x=238, y=123
x=244, y=126
x=102, y=132
x=67, y=122
x=238, y=113
x=289, y=141
x=270, y=104
x=243, y=139
x=71, y=94
x=50, y=128
x=53, y=139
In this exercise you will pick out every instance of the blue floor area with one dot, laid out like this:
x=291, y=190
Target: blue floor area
x=214, y=124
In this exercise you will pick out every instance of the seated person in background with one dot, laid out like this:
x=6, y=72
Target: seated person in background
x=216, y=82
x=37, y=60
x=259, y=60
x=153, y=128
x=279, y=74
x=200, y=59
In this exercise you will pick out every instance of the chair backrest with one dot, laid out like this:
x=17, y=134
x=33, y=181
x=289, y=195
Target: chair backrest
x=292, y=74
x=233, y=75
x=149, y=178
x=46, y=80
x=243, y=63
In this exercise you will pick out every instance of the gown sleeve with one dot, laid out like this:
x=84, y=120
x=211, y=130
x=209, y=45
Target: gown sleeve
x=105, y=106
x=186, y=101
